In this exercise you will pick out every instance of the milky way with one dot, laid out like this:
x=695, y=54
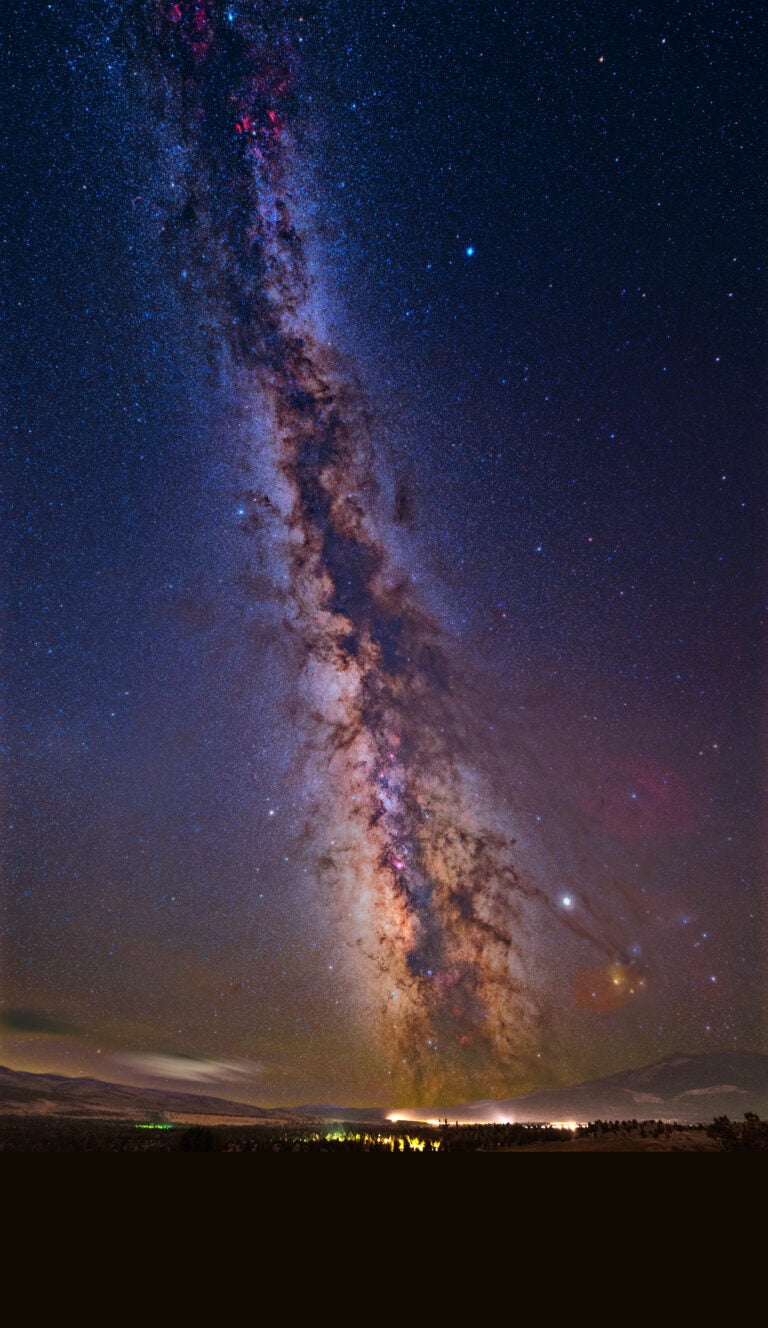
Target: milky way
x=448, y=929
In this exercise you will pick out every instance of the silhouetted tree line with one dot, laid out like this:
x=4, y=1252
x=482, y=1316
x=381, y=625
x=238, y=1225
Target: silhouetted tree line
x=749, y=1135
x=85, y=1135
x=492, y=1138
x=645, y=1129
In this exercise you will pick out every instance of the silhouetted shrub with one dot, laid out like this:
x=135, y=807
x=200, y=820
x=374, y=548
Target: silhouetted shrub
x=747, y=1136
x=198, y=1139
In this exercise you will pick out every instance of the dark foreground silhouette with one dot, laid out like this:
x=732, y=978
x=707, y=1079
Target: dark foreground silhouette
x=60, y=1134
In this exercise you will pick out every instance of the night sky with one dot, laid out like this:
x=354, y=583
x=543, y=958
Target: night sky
x=384, y=453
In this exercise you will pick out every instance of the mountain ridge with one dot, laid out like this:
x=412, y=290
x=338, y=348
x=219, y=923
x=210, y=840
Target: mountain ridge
x=681, y=1086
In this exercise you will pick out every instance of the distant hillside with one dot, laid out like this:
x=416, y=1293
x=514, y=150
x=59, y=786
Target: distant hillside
x=680, y=1087
x=55, y=1094
x=329, y=1112
x=685, y=1088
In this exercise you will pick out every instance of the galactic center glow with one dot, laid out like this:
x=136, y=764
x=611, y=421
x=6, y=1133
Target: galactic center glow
x=438, y=917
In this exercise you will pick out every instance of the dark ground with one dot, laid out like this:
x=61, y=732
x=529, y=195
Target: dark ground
x=56, y=1134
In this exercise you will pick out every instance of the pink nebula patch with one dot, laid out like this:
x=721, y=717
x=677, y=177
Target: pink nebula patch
x=637, y=798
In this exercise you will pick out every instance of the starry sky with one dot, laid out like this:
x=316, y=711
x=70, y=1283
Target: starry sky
x=384, y=451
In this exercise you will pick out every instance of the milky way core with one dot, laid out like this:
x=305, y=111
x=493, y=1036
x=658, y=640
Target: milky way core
x=449, y=926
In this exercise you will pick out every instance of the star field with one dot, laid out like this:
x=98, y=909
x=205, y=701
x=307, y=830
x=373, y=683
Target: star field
x=532, y=266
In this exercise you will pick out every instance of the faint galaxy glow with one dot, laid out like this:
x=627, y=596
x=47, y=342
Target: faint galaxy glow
x=385, y=626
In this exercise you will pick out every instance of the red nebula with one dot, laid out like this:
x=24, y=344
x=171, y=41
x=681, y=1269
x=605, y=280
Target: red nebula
x=638, y=798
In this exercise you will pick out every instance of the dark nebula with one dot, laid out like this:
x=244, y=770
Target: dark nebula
x=500, y=853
